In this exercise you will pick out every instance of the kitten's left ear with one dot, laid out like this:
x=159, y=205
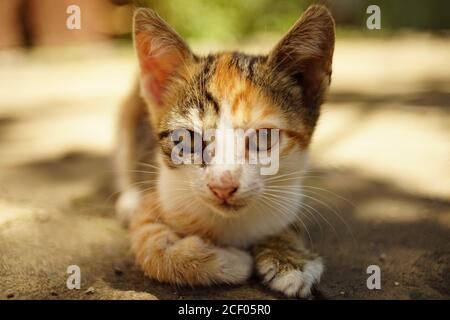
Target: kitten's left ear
x=161, y=52
x=306, y=52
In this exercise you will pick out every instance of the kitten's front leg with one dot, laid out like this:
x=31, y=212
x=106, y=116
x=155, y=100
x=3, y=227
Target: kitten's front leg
x=167, y=257
x=285, y=264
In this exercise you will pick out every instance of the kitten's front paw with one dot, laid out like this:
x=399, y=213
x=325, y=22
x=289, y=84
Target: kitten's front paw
x=127, y=204
x=293, y=281
x=235, y=265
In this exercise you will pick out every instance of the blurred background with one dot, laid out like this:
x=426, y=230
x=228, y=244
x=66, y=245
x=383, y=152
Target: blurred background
x=38, y=22
x=380, y=173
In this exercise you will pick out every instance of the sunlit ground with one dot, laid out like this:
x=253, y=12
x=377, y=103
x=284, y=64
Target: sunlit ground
x=380, y=158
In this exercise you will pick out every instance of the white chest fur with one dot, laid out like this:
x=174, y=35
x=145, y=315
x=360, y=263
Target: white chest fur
x=252, y=226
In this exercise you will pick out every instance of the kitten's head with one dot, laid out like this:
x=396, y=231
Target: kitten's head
x=281, y=91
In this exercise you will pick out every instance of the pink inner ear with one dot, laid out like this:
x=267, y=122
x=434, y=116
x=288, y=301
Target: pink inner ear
x=151, y=87
x=157, y=65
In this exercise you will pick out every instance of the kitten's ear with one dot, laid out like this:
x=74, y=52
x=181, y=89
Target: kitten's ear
x=306, y=53
x=161, y=52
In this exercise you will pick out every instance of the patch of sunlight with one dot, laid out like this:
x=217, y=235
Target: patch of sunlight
x=108, y=292
x=12, y=211
x=408, y=149
x=387, y=66
x=52, y=134
x=32, y=85
x=389, y=210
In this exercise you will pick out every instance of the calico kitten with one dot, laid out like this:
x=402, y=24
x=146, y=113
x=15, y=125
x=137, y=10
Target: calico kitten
x=201, y=224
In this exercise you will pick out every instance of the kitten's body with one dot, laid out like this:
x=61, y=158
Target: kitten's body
x=187, y=226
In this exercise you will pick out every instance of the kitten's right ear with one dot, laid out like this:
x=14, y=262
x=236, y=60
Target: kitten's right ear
x=161, y=53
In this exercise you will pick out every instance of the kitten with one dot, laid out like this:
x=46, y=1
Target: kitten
x=207, y=223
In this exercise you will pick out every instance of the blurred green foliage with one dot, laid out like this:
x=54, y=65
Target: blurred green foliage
x=235, y=19
x=227, y=19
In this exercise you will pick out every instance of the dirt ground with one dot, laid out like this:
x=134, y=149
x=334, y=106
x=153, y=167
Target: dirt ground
x=380, y=172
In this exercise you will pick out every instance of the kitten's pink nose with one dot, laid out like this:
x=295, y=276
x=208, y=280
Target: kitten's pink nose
x=223, y=185
x=223, y=192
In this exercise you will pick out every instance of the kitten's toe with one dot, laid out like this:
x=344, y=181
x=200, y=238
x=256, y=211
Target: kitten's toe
x=290, y=280
x=126, y=205
x=235, y=265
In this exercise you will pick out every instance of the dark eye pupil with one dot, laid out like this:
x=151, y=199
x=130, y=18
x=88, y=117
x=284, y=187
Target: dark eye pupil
x=259, y=140
x=195, y=144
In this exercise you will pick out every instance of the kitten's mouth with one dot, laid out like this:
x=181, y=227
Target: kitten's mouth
x=231, y=206
x=225, y=207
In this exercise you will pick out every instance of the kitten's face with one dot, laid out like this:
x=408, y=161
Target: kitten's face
x=274, y=98
x=231, y=91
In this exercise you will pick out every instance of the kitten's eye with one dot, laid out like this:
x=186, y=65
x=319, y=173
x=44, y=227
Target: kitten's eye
x=265, y=140
x=192, y=142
